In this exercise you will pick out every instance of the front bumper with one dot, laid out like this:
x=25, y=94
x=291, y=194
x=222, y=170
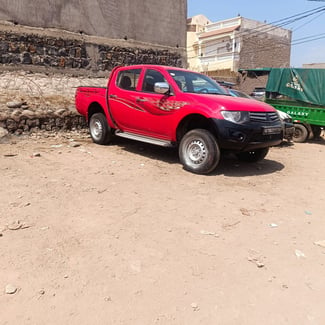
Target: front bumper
x=248, y=136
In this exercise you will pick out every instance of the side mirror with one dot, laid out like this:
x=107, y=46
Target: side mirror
x=161, y=87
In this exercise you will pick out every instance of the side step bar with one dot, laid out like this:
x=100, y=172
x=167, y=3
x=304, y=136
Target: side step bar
x=142, y=138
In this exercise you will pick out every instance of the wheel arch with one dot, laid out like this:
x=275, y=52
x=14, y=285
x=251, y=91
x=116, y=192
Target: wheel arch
x=94, y=108
x=194, y=121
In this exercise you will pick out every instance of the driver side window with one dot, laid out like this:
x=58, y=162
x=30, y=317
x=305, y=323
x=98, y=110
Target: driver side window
x=150, y=78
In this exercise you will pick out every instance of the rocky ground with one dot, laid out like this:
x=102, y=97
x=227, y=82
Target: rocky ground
x=121, y=234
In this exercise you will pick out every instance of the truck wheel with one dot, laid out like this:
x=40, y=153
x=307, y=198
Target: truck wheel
x=99, y=129
x=253, y=156
x=301, y=133
x=199, y=151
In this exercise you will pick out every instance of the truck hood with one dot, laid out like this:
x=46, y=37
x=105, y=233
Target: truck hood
x=230, y=103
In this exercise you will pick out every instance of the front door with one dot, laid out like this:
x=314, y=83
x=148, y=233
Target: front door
x=138, y=108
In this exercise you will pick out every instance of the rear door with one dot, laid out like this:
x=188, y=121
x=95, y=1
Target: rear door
x=122, y=99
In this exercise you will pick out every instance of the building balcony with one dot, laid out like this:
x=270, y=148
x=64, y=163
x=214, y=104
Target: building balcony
x=219, y=57
x=228, y=61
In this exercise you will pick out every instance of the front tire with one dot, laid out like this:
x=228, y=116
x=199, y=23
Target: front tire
x=301, y=133
x=199, y=151
x=254, y=155
x=99, y=130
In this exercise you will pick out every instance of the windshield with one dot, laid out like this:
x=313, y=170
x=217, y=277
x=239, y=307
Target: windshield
x=237, y=93
x=191, y=82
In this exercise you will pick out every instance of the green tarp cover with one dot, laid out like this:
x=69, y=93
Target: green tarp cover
x=307, y=85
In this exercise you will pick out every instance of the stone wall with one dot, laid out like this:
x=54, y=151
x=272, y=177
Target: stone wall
x=112, y=56
x=260, y=50
x=29, y=122
x=26, y=50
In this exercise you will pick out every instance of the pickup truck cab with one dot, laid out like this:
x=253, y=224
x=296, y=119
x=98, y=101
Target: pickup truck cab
x=170, y=106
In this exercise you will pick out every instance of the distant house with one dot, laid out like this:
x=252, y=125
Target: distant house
x=314, y=65
x=195, y=26
x=220, y=49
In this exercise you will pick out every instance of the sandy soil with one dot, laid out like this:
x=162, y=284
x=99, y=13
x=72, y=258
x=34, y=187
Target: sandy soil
x=121, y=234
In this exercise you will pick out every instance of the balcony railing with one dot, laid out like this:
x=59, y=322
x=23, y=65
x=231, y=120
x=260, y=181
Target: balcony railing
x=219, y=57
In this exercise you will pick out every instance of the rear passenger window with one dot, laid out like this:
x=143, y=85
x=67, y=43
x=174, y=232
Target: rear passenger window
x=128, y=79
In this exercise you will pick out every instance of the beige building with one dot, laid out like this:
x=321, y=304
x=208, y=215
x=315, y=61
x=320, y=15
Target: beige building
x=224, y=47
x=195, y=26
x=314, y=66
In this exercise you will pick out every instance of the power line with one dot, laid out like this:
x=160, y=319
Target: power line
x=309, y=40
x=290, y=20
x=285, y=21
x=307, y=37
x=309, y=21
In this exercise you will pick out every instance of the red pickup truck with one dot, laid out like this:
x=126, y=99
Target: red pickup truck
x=176, y=107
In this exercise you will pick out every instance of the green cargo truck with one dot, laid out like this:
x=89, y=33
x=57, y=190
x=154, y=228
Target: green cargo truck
x=301, y=94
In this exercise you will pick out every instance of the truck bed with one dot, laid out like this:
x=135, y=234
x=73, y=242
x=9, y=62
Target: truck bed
x=85, y=97
x=300, y=112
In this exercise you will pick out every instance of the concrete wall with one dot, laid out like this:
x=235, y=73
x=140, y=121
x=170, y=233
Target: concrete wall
x=152, y=21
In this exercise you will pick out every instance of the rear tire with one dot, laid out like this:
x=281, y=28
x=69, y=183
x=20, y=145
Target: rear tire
x=301, y=133
x=317, y=130
x=254, y=155
x=199, y=151
x=99, y=130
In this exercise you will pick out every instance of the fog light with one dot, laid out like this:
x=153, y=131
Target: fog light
x=237, y=135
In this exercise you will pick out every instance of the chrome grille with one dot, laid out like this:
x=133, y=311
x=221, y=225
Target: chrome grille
x=264, y=116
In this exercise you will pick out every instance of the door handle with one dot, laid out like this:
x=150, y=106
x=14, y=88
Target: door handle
x=140, y=100
x=112, y=96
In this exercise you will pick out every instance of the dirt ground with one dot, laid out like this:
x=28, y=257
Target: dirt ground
x=121, y=234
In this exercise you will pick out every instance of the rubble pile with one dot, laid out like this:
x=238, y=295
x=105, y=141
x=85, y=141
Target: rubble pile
x=19, y=118
x=32, y=102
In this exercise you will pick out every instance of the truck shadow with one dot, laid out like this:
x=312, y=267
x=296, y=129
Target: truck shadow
x=228, y=165
x=231, y=167
x=169, y=155
x=320, y=141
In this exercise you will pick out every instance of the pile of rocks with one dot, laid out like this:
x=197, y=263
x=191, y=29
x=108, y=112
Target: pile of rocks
x=30, y=102
x=19, y=118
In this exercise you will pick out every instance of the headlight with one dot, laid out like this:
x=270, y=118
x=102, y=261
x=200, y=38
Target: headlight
x=235, y=116
x=284, y=115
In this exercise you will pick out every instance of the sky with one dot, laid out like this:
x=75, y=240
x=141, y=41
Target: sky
x=272, y=11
